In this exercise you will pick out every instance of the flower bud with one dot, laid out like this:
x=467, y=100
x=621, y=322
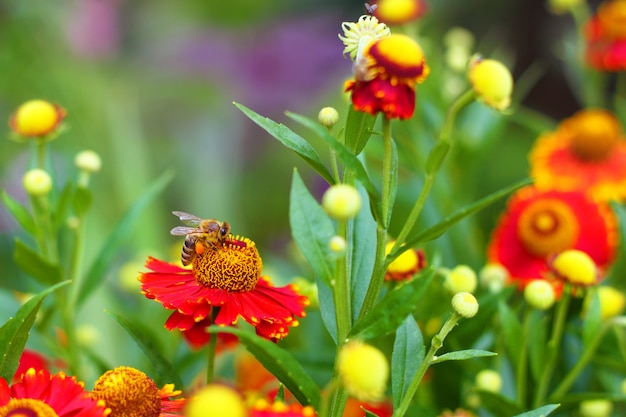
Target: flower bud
x=364, y=370
x=596, y=408
x=337, y=244
x=88, y=161
x=491, y=81
x=341, y=201
x=493, y=276
x=328, y=117
x=36, y=118
x=488, y=380
x=461, y=278
x=215, y=400
x=575, y=266
x=37, y=182
x=405, y=265
x=540, y=294
x=465, y=304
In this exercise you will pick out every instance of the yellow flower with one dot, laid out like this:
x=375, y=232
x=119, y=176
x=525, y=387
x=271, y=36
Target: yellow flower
x=576, y=267
x=215, y=400
x=492, y=82
x=407, y=264
x=397, y=12
x=612, y=302
x=364, y=370
x=36, y=118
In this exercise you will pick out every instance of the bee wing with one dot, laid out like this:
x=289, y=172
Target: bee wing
x=187, y=219
x=182, y=230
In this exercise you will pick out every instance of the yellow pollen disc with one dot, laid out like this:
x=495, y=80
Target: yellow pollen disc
x=398, y=10
x=235, y=266
x=612, y=16
x=399, y=56
x=547, y=226
x=594, y=133
x=128, y=392
x=27, y=407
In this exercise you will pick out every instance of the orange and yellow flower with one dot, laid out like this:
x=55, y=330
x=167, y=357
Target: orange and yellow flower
x=263, y=408
x=398, y=12
x=37, y=118
x=407, y=264
x=40, y=394
x=605, y=34
x=587, y=152
x=539, y=224
x=386, y=75
x=223, y=285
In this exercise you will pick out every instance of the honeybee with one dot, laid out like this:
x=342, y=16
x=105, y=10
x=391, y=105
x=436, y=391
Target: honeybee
x=198, y=231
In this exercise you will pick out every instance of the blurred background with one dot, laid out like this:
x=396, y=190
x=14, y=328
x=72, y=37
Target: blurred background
x=149, y=85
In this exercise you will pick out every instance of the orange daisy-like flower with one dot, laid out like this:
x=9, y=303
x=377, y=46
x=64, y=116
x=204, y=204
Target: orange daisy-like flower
x=386, y=75
x=128, y=392
x=606, y=37
x=223, y=285
x=539, y=224
x=398, y=12
x=587, y=152
x=263, y=408
x=43, y=395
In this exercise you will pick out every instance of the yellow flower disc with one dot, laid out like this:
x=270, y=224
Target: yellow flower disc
x=364, y=370
x=27, y=407
x=492, y=82
x=399, y=56
x=547, y=226
x=128, y=392
x=612, y=15
x=235, y=266
x=35, y=118
x=398, y=11
x=215, y=401
x=594, y=133
x=576, y=267
x=407, y=261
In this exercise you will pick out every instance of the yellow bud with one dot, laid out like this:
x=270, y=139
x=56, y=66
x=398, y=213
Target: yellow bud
x=461, y=278
x=337, y=244
x=88, y=161
x=328, y=116
x=465, y=304
x=36, y=118
x=540, y=294
x=488, y=380
x=493, y=276
x=612, y=302
x=37, y=182
x=596, y=408
x=341, y=201
x=215, y=400
x=364, y=370
x=491, y=81
x=576, y=267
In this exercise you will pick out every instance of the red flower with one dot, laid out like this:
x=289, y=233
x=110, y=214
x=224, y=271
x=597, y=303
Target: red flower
x=223, y=285
x=538, y=224
x=39, y=393
x=263, y=408
x=606, y=37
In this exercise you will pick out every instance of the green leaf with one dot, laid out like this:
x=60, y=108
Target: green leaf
x=368, y=413
x=349, y=160
x=539, y=412
x=14, y=333
x=167, y=372
x=593, y=318
x=393, y=308
x=280, y=363
x=35, y=265
x=498, y=404
x=537, y=328
x=19, y=213
x=327, y=307
x=311, y=229
x=358, y=130
x=81, y=201
x=512, y=331
x=123, y=231
x=440, y=228
x=291, y=140
x=461, y=355
x=406, y=357
x=436, y=156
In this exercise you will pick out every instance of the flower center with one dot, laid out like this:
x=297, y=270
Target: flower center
x=235, y=266
x=398, y=11
x=27, y=407
x=128, y=392
x=547, y=226
x=399, y=56
x=612, y=16
x=594, y=134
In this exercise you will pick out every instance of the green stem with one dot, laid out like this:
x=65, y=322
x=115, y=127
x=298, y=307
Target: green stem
x=553, y=347
x=211, y=350
x=41, y=154
x=521, y=373
x=387, y=174
x=435, y=344
x=341, y=291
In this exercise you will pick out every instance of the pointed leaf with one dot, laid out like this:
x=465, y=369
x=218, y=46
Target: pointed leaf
x=461, y=355
x=311, y=229
x=35, y=265
x=280, y=363
x=122, y=231
x=19, y=213
x=393, y=308
x=291, y=140
x=349, y=160
x=540, y=412
x=359, y=127
x=406, y=357
x=14, y=333
x=440, y=228
x=512, y=331
x=593, y=318
x=167, y=372
x=327, y=308
x=368, y=413
x=537, y=330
